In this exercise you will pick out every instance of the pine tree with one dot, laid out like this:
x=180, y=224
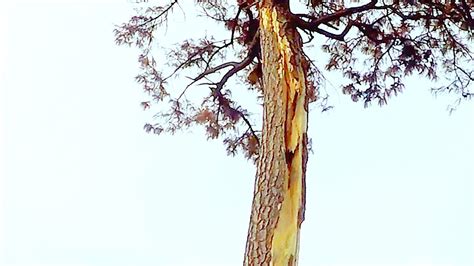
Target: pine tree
x=374, y=44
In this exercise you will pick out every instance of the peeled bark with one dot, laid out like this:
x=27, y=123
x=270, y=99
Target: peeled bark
x=279, y=197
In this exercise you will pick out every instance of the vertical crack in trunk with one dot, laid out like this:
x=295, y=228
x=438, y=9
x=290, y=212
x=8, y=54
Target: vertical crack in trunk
x=279, y=197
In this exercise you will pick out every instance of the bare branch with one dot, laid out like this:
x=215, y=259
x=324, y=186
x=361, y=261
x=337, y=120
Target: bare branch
x=314, y=22
x=236, y=66
x=340, y=36
x=168, y=8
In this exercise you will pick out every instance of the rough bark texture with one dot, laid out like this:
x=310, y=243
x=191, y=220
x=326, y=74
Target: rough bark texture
x=279, y=197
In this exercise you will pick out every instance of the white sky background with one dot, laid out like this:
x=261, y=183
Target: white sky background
x=83, y=184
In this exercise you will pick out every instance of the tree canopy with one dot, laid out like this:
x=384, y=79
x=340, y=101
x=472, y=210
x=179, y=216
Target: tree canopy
x=375, y=44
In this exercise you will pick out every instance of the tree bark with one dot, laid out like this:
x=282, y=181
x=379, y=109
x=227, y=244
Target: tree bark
x=279, y=197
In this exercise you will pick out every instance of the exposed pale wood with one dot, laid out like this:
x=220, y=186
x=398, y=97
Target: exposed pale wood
x=279, y=197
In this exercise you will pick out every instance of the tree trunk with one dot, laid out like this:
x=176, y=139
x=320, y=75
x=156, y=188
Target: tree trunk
x=279, y=197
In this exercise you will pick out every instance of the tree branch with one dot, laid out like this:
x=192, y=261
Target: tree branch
x=161, y=14
x=314, y=22
x=340, y=36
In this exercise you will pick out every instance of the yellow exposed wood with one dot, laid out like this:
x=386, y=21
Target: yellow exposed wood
x=285, y=242
x=278, y=204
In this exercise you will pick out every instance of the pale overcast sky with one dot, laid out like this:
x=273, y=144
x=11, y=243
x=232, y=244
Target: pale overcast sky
x=83, y=184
